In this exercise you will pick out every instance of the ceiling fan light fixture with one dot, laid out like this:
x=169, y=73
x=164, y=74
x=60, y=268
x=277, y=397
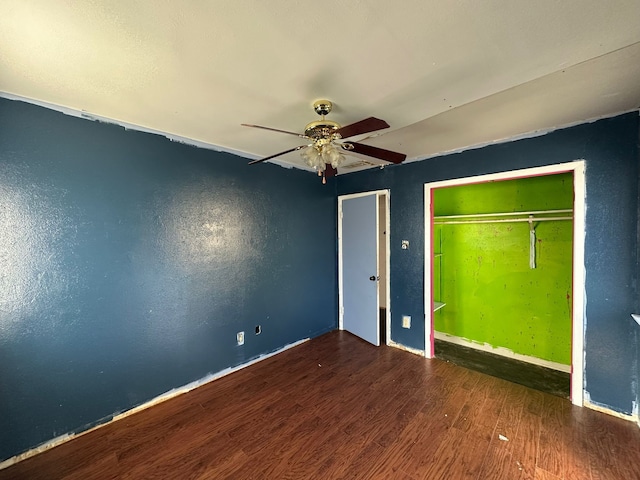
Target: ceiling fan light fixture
x=313, y=157
x=331, y=155
x=319, y=156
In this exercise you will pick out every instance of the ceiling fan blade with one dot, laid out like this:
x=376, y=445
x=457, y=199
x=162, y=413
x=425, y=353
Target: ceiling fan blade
x=329, y=171
x=260, y=160
x=375, y=152
x=273, y=130
x=367, y=125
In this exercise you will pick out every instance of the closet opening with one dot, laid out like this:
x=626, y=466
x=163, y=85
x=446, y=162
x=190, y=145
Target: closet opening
x=503, y=257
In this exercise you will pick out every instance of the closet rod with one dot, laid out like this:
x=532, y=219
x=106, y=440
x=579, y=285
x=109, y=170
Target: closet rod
x=506, y=214
x=501, y=220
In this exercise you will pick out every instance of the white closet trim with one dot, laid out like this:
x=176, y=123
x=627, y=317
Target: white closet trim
x=532, y=216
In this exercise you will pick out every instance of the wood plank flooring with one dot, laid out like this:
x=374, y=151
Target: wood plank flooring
x=534, y=376
x=339, y=408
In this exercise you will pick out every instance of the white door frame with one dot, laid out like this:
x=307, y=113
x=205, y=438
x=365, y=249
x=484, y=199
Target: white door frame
x=378, y=194
x=579, y=294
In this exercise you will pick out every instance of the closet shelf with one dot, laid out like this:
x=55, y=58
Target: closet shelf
x=505, y=217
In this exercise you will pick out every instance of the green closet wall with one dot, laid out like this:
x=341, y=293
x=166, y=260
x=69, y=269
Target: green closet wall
x=492, y=295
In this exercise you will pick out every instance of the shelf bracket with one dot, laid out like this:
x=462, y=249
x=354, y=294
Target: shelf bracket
x=532, y=243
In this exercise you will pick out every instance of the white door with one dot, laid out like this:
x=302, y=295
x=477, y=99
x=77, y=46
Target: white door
x=358, y=264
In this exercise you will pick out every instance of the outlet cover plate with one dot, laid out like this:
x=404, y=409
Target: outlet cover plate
x=240, y=338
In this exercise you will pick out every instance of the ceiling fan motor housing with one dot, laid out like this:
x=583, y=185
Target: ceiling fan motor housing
x=322, y=107
x=322, y=131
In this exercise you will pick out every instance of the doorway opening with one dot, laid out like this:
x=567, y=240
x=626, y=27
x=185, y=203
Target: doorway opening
x=382, y=266
x=504, y=273
x=363, y=265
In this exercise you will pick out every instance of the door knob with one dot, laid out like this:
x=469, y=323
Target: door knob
x=373, y=278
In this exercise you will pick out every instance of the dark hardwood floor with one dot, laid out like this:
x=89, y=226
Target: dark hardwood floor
x=527, y=374
x=338, y=408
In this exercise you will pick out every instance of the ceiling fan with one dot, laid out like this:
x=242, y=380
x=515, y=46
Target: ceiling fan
x=325, y=152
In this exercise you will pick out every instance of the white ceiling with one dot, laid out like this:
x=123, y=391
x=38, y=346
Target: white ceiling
x=446, y=75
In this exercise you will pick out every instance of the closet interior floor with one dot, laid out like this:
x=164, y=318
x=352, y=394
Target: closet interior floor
x=533, y=376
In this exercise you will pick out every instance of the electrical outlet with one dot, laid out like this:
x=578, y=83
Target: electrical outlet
x=406, y=321
x=240, y=338
x=258, y=329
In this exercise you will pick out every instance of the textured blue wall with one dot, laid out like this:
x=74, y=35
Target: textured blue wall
x=610, y=148
x=128, y=263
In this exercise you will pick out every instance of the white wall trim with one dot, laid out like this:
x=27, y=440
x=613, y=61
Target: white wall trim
x=387, y=194
x=387, y=239
x=399, y=346
x=154, y=401
x=363, y=194
x=579, y=272
x=209, y=146
x=74, y=112
x=502, y=351
x=602, y=409
x=521, y=136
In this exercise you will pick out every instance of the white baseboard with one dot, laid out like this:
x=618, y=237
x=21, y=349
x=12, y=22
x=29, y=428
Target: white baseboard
x=399, y=346
x=504, y=352
x=603, y=409
x=154, y=401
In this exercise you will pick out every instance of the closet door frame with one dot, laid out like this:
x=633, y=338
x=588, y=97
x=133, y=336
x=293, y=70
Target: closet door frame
x=578, y=307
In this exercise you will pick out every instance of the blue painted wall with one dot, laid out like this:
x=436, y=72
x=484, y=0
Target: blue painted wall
x=610, y=148
x=128, y=263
